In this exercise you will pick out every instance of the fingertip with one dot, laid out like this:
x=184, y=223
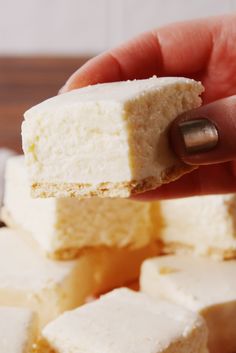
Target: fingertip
x=206, y=135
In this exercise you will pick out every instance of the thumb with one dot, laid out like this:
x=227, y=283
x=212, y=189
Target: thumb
x=206, y=135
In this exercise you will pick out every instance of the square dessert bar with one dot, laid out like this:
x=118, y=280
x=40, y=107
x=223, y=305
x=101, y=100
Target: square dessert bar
x=125, y=321
x=106, y=140
x=30, y=280
x=205, y=225
x=202, y=285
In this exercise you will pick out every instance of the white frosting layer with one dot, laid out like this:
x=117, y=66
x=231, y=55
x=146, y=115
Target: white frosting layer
x=111, y=93
x=126, y=321
x=112, y=132
x=199, y=284
x=18, y=330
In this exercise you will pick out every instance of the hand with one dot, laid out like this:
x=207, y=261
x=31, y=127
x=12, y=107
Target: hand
x=204, y=50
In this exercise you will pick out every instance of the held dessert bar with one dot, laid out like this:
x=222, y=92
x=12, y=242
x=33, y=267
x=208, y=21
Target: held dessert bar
x=107, y=140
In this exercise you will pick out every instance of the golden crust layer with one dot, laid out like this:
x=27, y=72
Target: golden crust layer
x=108, y=189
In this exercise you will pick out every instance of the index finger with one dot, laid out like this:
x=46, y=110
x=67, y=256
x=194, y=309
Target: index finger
x=176, y=49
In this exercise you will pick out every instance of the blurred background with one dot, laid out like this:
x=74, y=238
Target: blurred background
x=43, y=41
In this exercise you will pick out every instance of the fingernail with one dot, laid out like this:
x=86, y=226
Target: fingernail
x=199, y=135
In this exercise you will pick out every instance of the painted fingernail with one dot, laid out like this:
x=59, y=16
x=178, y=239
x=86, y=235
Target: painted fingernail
x=199, y=135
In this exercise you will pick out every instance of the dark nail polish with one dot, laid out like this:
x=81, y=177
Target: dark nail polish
x=199, y=135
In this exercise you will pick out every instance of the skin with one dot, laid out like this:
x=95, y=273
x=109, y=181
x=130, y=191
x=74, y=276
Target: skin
x=204, y=50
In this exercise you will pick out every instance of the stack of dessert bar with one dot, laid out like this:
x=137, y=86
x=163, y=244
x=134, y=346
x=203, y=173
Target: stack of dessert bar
x=65, y=254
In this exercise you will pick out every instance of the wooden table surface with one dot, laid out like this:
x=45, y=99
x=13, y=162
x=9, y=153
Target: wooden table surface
x=24, y=82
